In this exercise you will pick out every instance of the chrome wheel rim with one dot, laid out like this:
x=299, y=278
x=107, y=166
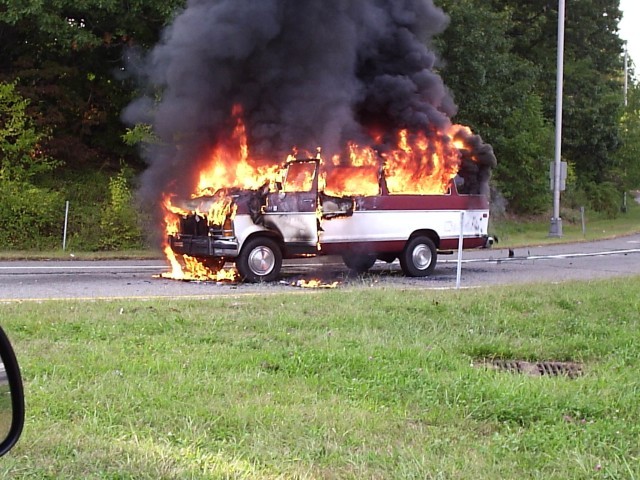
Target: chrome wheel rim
x=421, y=257
x=261, y=260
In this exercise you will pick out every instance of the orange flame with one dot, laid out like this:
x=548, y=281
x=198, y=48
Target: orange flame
x=359, y=176
x=314, y=284
x=172, y=215
x=421, y=166
x=229, y=165
x=194, y=270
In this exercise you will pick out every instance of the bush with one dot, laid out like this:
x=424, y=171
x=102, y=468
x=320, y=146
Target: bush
x=87, y=194
x=604, y=197
x=119, y=220
x=102, y=212
x=30, y=217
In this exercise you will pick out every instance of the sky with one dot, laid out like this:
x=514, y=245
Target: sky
x=630, y=28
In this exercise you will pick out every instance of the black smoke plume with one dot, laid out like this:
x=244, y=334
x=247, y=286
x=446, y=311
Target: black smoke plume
x=307, y=73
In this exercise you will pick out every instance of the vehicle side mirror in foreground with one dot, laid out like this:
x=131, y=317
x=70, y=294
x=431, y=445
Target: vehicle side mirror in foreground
x=11, y=396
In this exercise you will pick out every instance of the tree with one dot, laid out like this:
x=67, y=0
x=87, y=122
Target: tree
x=495, y=92
x=21, y=157
x=68, y=58
x=592, y=77
x=28, y=214
x=628, y=156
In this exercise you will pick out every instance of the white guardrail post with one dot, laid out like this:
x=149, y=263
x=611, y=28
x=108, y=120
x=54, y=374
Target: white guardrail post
x=66, y=220
x=460, y=238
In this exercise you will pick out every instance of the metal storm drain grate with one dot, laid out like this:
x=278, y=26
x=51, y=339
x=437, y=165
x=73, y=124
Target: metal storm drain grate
x=537, y=369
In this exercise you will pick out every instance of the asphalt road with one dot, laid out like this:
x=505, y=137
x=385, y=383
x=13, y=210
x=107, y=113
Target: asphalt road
x=39, y=280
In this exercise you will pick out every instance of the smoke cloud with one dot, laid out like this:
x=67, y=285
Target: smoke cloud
x=307, y=73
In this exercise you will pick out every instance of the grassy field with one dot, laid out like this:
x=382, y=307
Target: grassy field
x=535, y=231
x=352, y=383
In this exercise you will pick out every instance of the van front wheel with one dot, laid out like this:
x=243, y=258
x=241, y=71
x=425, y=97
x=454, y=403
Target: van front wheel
x=419, y=257
x=260, y=260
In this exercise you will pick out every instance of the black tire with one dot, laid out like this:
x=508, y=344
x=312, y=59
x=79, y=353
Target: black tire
x=358, y=263
x=388, y=257
x=419, y=257
x=212, y=263
x=260, y=260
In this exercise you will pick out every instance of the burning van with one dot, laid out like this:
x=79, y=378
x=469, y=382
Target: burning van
x=233, y=87
x=298, y=216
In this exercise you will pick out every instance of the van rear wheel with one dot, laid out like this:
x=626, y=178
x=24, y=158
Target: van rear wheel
x=419, y=257
x=359, y=263
x=260, y=260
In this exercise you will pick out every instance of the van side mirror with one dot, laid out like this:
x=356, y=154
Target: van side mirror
x=11, y=396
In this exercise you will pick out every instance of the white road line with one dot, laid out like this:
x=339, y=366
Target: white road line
x=87, y=267
x=547, y=257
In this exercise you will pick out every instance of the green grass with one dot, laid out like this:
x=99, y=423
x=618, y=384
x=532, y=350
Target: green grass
x=352, y=383
x=535, y=231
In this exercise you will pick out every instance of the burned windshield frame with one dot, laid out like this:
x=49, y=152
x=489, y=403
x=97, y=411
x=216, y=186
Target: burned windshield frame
x=14, y=381
x=300, y=176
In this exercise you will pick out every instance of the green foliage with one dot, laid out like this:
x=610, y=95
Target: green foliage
x=139, y=134
x=30, y=217
x=119, y=221
x=69, y=57
x=592, y=75
x=495, y=91
x=604, y=197
x=77, y=25
x=102, y=214
x=488, y=81
x=519, y=232
x=20, y=155
x=591, y=122
x=501, y=65
x=628, y=156
x=525, y=149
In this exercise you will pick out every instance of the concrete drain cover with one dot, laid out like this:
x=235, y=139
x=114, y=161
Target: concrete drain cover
x=537, y=369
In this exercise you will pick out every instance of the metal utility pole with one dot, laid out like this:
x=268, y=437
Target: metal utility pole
x=626, y=74
x=555, y=229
